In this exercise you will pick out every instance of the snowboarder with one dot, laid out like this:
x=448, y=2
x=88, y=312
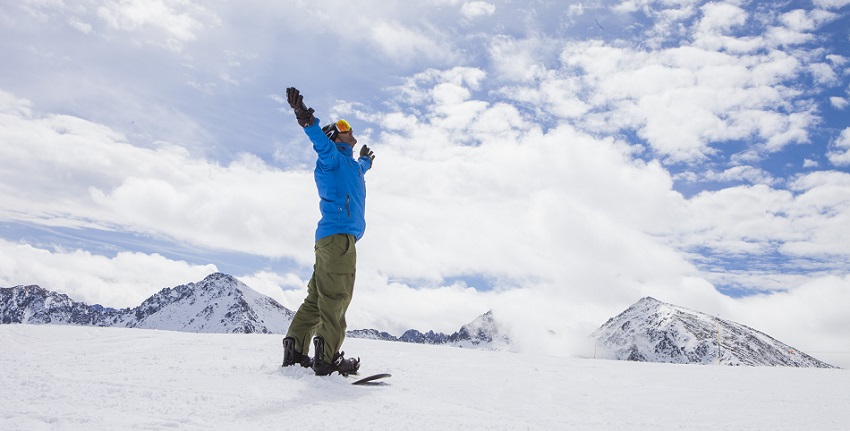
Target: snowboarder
x=342, y=193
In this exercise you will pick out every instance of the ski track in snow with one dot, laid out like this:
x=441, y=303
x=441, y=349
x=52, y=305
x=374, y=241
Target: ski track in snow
x=85, y=378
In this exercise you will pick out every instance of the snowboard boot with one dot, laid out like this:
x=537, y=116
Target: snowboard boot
x=291, y=357
x=339, y=363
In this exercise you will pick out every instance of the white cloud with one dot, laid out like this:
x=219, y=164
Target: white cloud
x=403, y=43
x=838, y=102
x=166, y=23
x=719, y=18
x=823, y=74
x=831, y=4
x=822, y=209
x=741, y=219
x=513, y=196
x=685, y=100
x=98, y=180
x=518, y=60
x=811, y=317
x=179, y=19
x=83, y=27
x=809, y=221
x=123, y=280
x=715, y=29
x=575, y=10
x=665, y=15
x=804, y=20
x=839, y=153
x=475, y=9
x=837, y=60
x=797, y=25
x=748, y=174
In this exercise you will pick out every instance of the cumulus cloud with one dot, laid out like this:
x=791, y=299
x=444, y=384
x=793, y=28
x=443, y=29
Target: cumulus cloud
x=801, y=228
x=123, y=280
x=98, y=180
x=839, y=154
x=748, y=174
x=691, y=99
x=810, y=317
x=719, y=18
x=684, y=101
x=806, y=20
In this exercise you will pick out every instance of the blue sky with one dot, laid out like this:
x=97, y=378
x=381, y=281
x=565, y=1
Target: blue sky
x=559, y=158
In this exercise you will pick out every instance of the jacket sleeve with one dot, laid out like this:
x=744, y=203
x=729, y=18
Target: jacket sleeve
x=323, y=146
x=365, y=163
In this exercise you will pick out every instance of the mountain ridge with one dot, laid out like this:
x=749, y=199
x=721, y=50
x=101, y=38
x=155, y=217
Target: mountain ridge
x=647, y=331
x=485, y=332
x=219, y=303
x=655, y=331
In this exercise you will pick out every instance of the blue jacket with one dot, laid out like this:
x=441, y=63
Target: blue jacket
x=341, y=184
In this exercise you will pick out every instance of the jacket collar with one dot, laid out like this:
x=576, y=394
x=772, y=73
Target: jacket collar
x=344, y=148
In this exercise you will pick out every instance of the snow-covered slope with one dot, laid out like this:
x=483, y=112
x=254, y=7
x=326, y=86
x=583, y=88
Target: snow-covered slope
x=86, y=378
x=654, y=331
x=219, y=303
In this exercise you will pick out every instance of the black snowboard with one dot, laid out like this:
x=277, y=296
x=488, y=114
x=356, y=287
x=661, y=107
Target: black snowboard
x=370, y=381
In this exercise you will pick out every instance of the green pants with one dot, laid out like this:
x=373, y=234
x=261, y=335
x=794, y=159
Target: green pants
x=328, y=295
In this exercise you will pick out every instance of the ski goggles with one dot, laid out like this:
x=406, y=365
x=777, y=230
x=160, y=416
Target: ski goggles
x=342, y=126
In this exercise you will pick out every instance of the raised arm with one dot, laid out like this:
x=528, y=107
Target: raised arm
x=324, y=147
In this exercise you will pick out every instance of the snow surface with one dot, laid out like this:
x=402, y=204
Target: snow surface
x=56, y=377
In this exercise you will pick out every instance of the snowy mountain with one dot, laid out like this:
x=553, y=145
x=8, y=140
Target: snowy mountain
x=219, y=303
x=430, y=337
x=409, y=336
x=33, y=304
x=485, y=332
x=482, y=333
x=649, y=331
x=654, y=331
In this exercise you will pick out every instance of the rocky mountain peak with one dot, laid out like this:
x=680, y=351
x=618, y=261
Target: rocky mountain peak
x=655, y=331
x=218, y=303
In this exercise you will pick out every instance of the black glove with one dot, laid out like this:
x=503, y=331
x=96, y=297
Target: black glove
x=366, y=152
x=303, y=114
